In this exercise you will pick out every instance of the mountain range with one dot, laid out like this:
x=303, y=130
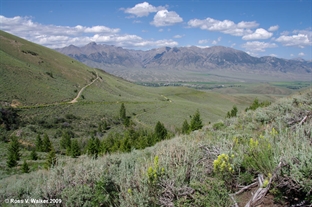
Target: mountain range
x=178, y=61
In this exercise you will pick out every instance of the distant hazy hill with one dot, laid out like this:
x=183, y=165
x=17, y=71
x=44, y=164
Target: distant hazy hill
x=222, y=60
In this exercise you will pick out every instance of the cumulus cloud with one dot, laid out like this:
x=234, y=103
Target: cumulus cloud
x=54, y=36
x=250, y=25
x=298, y=40
x=225, y=26
x=301, y=54
x=258, y=34
x=256, y=46
x=143, y=9
x=24, y=25
x=273, y=28
x=166, y=18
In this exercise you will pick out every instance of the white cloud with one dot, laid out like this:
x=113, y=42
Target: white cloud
x=143, y=9
x=298, y=40
x=54, y=36
x=200, y=46
x=24, y=26
x=137, y=21
x=256, y=46
x=258, y=34
x=214, y=42
x=225, y=26
x=247, y=24
x=284, y=33
x=178, y=36
x=202, y=41
x=273, y=28
x=301, y=54
x=166, y=18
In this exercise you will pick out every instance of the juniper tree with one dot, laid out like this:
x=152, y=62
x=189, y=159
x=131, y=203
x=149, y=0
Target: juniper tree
x=13, y=152
x=46, y=144
x=75, y=149
x=102, y=126
x=39, y=143
x=92, y=149
x=25, y=167
x=232, y=113
x=122, y=112
x=196, y=122
x=185, y=127
x=65, y=141
x=33, y=155
x=51, y=158
x=11, y=161
x=160, y=131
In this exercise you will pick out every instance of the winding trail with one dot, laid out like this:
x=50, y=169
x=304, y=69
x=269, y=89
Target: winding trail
x=81, y=90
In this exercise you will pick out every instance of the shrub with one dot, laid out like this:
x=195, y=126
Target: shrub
x=79, y=195
x=218, y=126
x=106, y=192
x=211, y=192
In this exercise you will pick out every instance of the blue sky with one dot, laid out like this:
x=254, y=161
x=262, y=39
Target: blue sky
x=281, y=28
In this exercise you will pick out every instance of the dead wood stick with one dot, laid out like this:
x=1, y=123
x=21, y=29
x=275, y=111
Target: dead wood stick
x=303, y=120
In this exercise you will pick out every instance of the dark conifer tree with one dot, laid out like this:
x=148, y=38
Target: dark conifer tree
x=51, y=158
x=92, y=149
x=234, y=111
x=122, y=112
x=185, y=127
x=75, y=149
x=160, y=131
x=11, y=161
x=46, y=143
x=33, y=155
x=65, y=141
x=13, y=153
x=39, y=143
x=108, y=143
x=25, y=167
x=196, y=122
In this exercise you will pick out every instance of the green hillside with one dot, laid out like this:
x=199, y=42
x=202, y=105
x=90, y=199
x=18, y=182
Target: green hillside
x=32, y=74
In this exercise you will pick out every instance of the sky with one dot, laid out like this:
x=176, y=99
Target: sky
x=280, y=28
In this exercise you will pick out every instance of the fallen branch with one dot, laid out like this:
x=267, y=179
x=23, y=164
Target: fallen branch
x=303, y=120
x=246, y=188
x=254, y=184
x=261, y=192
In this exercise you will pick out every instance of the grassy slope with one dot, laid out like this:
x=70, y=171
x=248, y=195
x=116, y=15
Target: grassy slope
x=24, y=76
x=187, y=163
